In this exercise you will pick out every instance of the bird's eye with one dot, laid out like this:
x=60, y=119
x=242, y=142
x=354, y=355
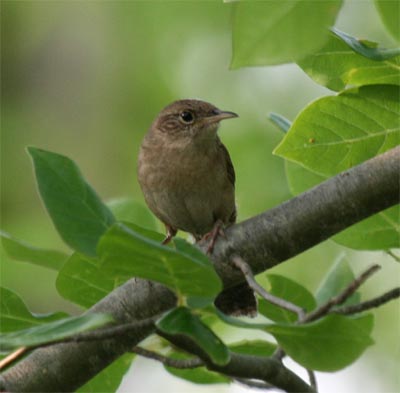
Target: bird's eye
x=186, y=116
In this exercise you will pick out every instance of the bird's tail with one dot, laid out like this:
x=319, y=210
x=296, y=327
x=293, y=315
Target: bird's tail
x=237, y=301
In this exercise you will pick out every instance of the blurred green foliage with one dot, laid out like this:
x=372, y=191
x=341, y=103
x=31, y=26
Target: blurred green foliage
x=85, y=79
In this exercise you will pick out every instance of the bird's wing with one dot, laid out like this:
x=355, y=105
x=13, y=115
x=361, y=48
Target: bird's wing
x=229, y=166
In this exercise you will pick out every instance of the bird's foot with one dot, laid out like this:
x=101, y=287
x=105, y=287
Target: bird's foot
x=212, y=236
x=171, y=232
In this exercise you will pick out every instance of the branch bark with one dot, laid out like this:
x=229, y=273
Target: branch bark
x=263, y=241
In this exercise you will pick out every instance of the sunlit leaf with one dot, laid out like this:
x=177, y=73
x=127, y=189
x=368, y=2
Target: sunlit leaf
x=336, y=65
x=22, y=251
x=77, y=212
x=180, y=321
x=274, y=32
x=324, y=140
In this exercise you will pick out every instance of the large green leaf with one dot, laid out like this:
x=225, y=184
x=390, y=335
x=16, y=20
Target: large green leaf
x=15, y=315
x=76, y=210
x=110, y=378
x=52, y=331
x=328, y=344
x=127, y=253
x=82, y=281
x=22, y=251
x=336, y=65
x=274, y=32
x=335, y=133
x=180, y=321
x=389, y=11
x=381, y=231
x=289, y=290
x=338, y=278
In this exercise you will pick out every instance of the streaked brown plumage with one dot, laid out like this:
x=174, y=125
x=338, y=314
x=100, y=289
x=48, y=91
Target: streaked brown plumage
x=185, y=172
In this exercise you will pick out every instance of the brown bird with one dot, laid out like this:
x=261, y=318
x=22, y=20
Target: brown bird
x=188, y=181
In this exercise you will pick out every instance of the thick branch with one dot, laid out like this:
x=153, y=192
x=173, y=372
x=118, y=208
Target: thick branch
x=263, y=241
x=311, y=217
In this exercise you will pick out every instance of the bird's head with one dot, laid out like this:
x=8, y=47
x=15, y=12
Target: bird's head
x=193, y=119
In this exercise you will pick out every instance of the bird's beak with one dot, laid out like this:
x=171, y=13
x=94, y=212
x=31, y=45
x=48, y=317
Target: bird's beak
x=221, y=115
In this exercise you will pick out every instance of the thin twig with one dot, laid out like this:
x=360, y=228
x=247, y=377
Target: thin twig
x=363, y=306
x=247, y=272
x=167, y=361
x=255, y=384
x=341, y=297
x=393, y=255
x=313, y=380
x=12, y=357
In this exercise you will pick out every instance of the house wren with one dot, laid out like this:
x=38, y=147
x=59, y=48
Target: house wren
x=188, y=181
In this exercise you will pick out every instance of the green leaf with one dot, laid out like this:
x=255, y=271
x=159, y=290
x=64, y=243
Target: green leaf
x=274, y=32
x=253, y=347
x=22, y=251
x=335, y=133
x=289, y=290
x=15, y=315
x=379, y=232
x=328, y=344
x=280, y=121
x=181, y=321
x=336, y=66
x=127, y=209
x=338, y=278
x=367, y=49
x=127, y=253
x=110, y=378
x=389, y=11
x=76, y=210
x=52, y=331
x=82, y=281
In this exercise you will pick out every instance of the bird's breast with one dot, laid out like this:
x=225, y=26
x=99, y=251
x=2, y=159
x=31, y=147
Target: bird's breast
x=186, y=188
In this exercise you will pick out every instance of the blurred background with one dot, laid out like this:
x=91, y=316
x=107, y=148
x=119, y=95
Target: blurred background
x=86, y=79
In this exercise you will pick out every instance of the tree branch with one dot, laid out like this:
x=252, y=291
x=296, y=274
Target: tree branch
x=167, y=361
x=264, y=241
x=262, y=368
